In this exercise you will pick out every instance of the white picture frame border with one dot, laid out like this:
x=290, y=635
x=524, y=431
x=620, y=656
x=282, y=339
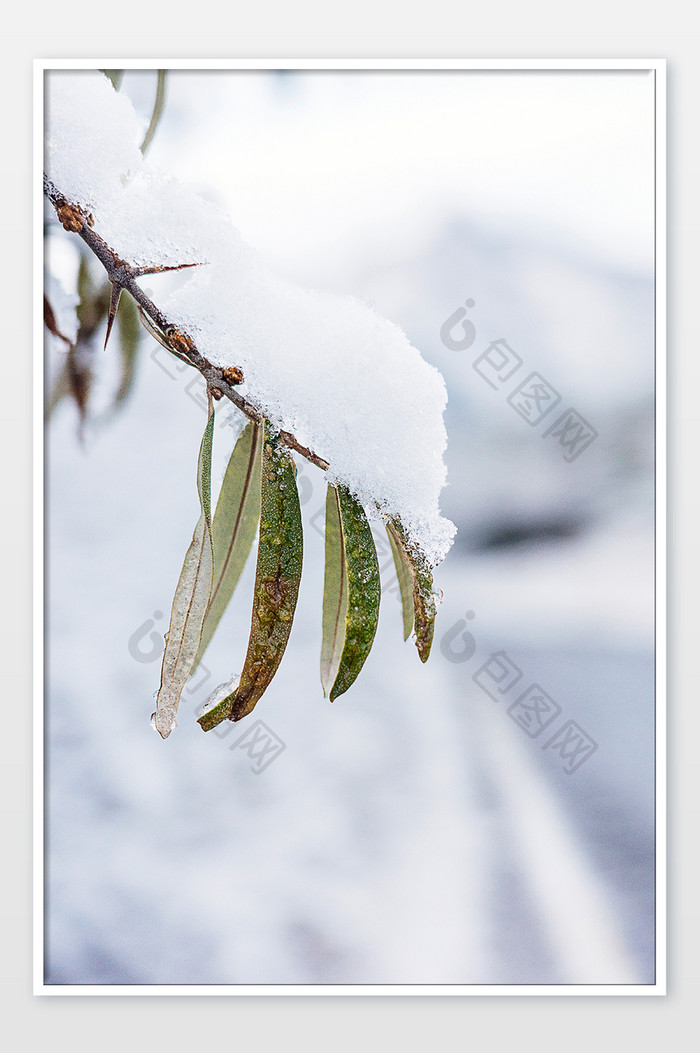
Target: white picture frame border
x=657, y=68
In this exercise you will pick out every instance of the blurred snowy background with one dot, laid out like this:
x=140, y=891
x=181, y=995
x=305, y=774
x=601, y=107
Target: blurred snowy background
x=425, y=828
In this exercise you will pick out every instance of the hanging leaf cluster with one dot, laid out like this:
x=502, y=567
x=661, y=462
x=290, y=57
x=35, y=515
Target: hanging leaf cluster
x=259, y=496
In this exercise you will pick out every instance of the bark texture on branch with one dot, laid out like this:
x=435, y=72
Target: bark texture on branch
x=123, y=276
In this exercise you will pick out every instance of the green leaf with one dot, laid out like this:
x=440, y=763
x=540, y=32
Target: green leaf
x=234, y=527
x=215, y=715
x=191, y=598
x=158, y=107
x=277, y=578
x=426, y=608
x=421, y=577
x=115, y=76
x=335, y=593
x=129, y=339
x=85, y=282
x=79, y=366
x=94, y=302
x=351, y=593
x=75, y=377
x=51, y=324
x=403, y=574
x=61, y=389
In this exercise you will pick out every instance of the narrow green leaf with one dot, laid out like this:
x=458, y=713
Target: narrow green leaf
x=79, y=365
x=115, y=75
x=215, y=715
x=191, y=599
x=335, y=593
x=85, y=282
x=151, y=328
x=158, y=107
x=129, y=339
x=51, y=324
x=363, y=591
x=426, y=608
x=277, y=578
x=61, y=389
x=235, y=524
x=94, y=302
x=403, y=574
x=421, y=576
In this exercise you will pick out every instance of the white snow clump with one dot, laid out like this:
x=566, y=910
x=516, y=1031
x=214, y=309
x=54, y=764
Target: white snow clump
x=328, y=368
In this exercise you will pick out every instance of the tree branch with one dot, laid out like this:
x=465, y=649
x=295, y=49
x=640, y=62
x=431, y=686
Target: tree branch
x=123, y=276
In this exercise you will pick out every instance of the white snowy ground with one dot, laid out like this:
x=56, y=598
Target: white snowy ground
x=410, y=832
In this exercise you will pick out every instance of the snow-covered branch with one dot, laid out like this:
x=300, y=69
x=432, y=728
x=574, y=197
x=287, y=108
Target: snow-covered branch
x=123, y=276
x=343, y=386
x=298, y=363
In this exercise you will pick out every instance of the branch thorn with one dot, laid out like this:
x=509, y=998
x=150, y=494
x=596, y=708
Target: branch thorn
x=114, y=297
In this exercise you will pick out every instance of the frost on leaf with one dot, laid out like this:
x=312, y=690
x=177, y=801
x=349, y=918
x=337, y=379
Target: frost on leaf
x=191, y=599
x=418, y=596
x=235, y=524
x=277, y=578
x=351, y=592
x=323, y=374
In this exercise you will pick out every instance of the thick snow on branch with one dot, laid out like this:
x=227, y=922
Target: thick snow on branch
x=344, y=380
